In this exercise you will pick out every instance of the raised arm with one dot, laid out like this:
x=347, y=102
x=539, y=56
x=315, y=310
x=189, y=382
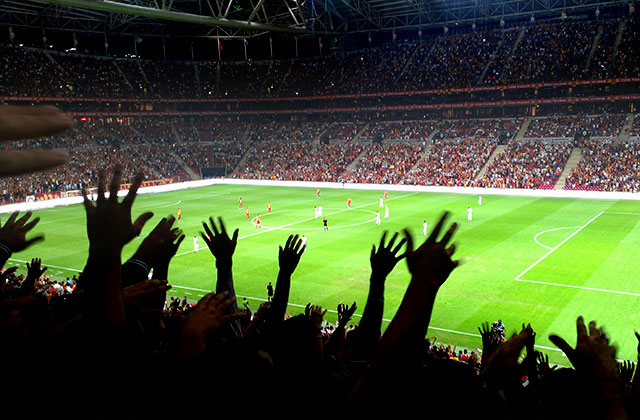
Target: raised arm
x=13, y=235
x=109, y=228
x=595, y=361
x=288, y=259
x=383, y=260
x=430, y=266
x=222, y=248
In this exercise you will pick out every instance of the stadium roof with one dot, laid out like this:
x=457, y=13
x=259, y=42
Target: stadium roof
x=248, y=18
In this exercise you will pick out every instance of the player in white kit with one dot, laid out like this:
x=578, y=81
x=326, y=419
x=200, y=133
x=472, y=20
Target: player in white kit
x=386, y=212
x=320, y=211
x=424, y=228
x=469, y=214
x=303, y=241
x=479, y=200
x=378, y=218
x=381, y=201
x=196, y=245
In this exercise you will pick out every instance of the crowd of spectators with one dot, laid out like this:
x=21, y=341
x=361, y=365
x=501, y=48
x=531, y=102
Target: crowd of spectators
x=626, y=61
x=607, y=165
x=550, y=52
x=547, y=51
x=384, y=163
x=299, y=161
x=601, y=65
x=527, y=164
x=452, y=162
x=389, y=151
x=455, y=61
x=576, y=126
x=490, y=128
x=399, y=130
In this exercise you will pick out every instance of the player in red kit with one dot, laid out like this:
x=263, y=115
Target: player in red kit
x=386, y=195
x=258, y=223
x=269, y=207
x=240, y=203
x=246, y=212
x=349, y=202
x=318, y=192
x=179, y=213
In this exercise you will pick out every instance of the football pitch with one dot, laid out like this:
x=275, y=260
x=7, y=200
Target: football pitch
x=538, y=260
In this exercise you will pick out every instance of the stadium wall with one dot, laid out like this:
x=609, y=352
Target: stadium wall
x=597, y=195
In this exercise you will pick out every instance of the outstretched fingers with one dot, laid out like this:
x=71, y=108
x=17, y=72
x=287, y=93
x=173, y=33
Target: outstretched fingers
x=133, y=190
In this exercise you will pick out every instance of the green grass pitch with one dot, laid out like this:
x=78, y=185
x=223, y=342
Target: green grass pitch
x=538, y=260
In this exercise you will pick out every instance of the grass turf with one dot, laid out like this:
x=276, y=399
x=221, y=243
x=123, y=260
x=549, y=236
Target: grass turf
x=591, y=245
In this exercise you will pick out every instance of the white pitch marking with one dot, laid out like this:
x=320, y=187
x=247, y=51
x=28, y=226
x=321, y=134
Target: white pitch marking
x=48, y=265
x=266, y=229
x=535, y=238
x=204, y=291
x=558, y=246
x=579, y=287
x=622, y=212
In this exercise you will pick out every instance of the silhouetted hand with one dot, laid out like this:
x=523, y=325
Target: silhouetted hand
x=592, y=353
x=385, y=258
x=108, y=221
x=161, y=233
x=502, y=364
x=26, y=122
x=15, y=229
x=432, y=262
x=23, y=122
x=626, y=370
x=543, y=364
x=143, y=296
x=207, y=317
x=34, y=271
x=221, y=246
x=315, y=314
x=345, y=316
x=289, y=256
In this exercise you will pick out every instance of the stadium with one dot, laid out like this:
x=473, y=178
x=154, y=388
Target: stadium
x=389, y=203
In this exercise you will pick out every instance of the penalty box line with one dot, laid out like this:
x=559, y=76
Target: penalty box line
x=552, y=250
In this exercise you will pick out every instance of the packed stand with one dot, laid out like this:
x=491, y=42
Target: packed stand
x=94, y=77
x=576, y=126
x=527, y=164
x=607, y=166
x=492, y=129
x=455, y=61
x=627, y=59
x=29, y=72
x=342, y=132
x=550, y=52
x=298, y=161
x=601, y=65
x=500, y=57
x=385, y=163
x=452, y=162
x=399, y=130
